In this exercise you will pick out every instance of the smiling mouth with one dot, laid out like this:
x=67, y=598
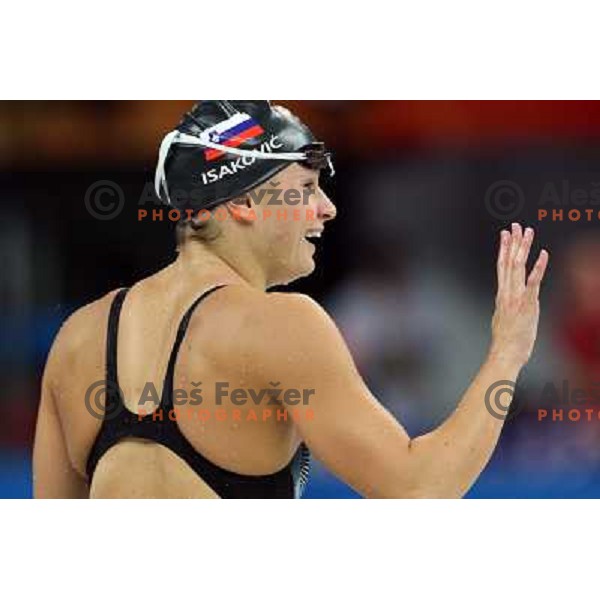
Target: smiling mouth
x=313, y=234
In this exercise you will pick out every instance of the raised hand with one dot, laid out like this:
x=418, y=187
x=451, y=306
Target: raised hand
x=515, y=321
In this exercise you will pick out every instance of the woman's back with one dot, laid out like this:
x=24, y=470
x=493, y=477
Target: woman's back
x=206, y=370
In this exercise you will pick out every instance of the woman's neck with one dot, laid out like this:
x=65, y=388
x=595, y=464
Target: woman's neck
x=195, y=260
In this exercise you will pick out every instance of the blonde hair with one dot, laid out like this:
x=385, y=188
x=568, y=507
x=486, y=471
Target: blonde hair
x=197, y=229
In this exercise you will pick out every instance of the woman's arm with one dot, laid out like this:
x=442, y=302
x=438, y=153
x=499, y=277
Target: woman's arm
x=353, y=435
x=53, y=474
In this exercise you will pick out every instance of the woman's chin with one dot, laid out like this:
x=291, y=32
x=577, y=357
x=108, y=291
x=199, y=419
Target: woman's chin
x=304, y=269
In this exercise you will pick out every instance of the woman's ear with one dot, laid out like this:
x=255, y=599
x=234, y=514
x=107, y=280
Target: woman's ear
x=242, y=209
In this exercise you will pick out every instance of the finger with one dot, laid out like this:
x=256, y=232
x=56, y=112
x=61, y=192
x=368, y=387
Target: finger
x=525, y=248
x=517, y=238
x=502, y=258
x=515, y=244
x=520, y=262
x=537, y=273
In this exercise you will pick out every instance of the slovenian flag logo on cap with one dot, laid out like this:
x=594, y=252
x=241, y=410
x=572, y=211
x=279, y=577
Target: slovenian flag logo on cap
x=232, y=133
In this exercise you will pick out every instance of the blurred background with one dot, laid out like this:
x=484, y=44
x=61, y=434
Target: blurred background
x=407, y=270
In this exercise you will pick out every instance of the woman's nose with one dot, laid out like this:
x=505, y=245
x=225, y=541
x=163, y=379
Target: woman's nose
x=327, y=210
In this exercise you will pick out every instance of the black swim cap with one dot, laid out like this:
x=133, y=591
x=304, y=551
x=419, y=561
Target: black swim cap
x=222, y=149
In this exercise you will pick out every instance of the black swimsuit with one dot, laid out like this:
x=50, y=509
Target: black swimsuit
x=119, y=423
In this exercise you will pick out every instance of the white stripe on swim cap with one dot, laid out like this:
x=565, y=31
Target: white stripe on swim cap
x=237, y=119
x=160, y=180
x=177, y=137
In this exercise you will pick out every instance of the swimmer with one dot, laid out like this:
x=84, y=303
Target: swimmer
x=207, y=320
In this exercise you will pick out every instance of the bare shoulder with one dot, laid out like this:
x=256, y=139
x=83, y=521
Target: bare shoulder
x=296, y=314
x=76, y=332
x=269, y=313
x=284, y=326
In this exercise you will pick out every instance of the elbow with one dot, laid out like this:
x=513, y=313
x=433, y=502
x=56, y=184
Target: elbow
x=425, y=480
